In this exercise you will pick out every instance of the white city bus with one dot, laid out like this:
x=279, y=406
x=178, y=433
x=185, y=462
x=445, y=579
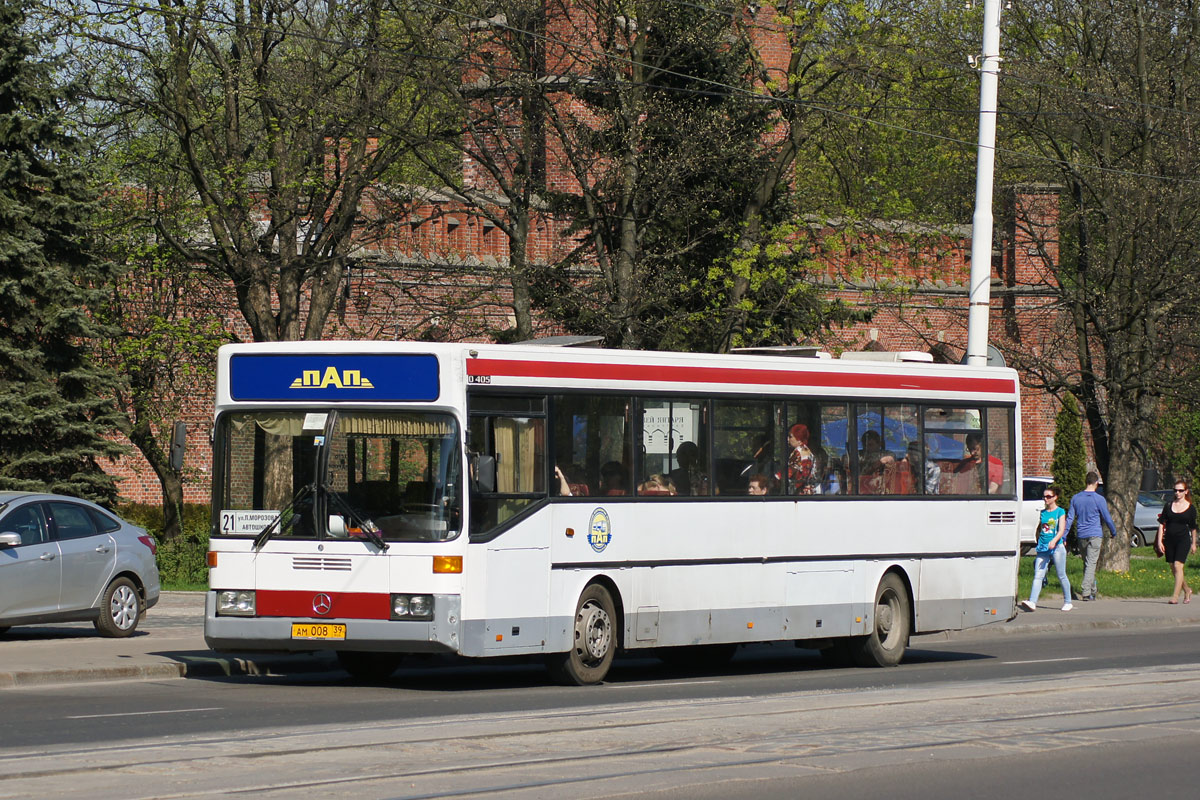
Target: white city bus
x=380, y=498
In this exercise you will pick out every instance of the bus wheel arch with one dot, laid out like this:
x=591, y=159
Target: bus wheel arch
x=891, y=623
x=598, y=630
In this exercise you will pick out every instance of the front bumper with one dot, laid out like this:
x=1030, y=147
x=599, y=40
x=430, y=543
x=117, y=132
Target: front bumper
x=442, y=634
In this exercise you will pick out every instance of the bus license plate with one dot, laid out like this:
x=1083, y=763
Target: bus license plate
x=322, y=630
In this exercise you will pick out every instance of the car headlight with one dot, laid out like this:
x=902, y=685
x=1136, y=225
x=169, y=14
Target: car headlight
x=412, y=606
x=235, y=603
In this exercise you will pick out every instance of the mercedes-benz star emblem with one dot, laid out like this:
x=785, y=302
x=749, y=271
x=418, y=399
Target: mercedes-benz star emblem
x=322, y=603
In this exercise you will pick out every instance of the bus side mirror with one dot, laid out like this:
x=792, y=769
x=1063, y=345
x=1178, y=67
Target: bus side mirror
x=485, y=473
x=178, y=438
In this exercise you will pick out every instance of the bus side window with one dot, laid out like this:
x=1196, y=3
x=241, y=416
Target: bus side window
x=744, y=447
x=590, y=433
x=506, y=438
x=674, y=443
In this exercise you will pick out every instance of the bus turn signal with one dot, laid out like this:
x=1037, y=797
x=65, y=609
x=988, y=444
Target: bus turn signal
x=447, y=564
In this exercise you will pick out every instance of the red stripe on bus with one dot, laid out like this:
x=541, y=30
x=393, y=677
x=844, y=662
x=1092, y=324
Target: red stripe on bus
x=735, y=375
x=342, y=605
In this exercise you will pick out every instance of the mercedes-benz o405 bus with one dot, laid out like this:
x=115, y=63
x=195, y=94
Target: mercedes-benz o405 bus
x=378, y=499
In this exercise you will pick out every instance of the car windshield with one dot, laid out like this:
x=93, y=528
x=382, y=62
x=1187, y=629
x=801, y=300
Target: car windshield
x=1155, y=498
x=338, y=474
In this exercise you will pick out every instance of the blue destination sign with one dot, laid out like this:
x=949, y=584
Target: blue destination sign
x=338, y=378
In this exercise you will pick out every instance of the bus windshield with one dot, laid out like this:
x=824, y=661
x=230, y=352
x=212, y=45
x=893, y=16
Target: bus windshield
x=332, y=474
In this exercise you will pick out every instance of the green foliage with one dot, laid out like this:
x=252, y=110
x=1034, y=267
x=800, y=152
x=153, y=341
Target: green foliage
x=1177, y=439
x=1147, y=576
x=1069, y=465
x=784, y=301
x=54, y=415
x=182, y=562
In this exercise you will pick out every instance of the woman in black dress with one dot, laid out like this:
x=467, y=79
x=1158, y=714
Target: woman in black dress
x=1177, y=537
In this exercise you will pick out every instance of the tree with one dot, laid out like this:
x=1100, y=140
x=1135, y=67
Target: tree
x=490, y=112
x=166, y=326
x=275, y=127
x=1069, y=466
x=1102, y=100
x=55, y=402
x=662, y=142
x=281, y=119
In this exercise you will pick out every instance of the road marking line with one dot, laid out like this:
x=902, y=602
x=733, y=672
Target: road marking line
x=146, y=713
x=1048, y=660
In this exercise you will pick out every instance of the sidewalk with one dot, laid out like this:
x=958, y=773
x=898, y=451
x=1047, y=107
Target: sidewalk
x=170, y=642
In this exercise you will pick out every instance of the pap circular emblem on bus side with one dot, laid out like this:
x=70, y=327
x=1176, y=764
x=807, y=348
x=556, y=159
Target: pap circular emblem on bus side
x=599, y=530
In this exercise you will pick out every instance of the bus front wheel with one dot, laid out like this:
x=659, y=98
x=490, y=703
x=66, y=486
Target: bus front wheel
x=884, y=646
x=594, y=641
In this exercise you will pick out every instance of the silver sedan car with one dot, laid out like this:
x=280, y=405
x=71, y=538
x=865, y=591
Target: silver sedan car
x=1145, y=516
x=63, y=559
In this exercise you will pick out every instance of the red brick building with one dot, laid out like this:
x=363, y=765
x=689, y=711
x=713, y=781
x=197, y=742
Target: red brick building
x=437, y=272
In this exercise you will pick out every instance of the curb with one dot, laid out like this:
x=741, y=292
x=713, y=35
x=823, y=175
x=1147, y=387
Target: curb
x=986, y=631
x=202, y=667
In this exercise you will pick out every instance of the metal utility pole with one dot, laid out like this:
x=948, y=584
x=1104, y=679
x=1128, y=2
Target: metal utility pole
x=985, y=163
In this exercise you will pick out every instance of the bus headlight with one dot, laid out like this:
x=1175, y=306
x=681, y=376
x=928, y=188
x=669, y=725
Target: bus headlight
x=235, y=603
x=412, y=606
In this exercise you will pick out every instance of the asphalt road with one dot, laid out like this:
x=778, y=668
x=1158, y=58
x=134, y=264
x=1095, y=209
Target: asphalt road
x=1096, y=714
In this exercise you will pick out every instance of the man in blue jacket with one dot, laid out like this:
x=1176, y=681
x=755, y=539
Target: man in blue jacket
x=1089, y=510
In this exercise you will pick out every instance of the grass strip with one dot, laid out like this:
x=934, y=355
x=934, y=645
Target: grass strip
x=1148, y=576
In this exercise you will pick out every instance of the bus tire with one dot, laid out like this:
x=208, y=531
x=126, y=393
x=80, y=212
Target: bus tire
x=595, y=641
x=368, y=667
x=884, y=646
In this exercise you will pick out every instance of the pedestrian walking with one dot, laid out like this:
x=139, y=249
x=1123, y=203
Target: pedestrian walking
x=1089, y=510
x=1176, y=538
x=1051, y=547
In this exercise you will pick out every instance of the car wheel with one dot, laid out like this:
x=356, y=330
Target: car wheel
x=120, y=609
x=1137, y=538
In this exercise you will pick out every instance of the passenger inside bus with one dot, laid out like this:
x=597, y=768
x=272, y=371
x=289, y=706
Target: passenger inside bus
x=922, y=472
x=614, y=479
x=759, y=484
x=689, y=476
x=875, y=465
x=801, y=461
x=569, y=482
x=973, y=461
x=657, y=485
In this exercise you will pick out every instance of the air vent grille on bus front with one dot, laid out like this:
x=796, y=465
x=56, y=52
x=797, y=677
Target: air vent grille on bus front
x=1002, y=517
x=321, y=563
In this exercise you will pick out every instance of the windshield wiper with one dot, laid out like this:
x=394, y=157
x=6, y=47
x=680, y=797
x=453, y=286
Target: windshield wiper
x=369, y=529
x=266, y=533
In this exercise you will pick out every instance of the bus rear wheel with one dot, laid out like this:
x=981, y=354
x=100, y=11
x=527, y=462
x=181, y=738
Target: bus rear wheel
x=368, y=667
x=594, y=641
x=884, y=646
